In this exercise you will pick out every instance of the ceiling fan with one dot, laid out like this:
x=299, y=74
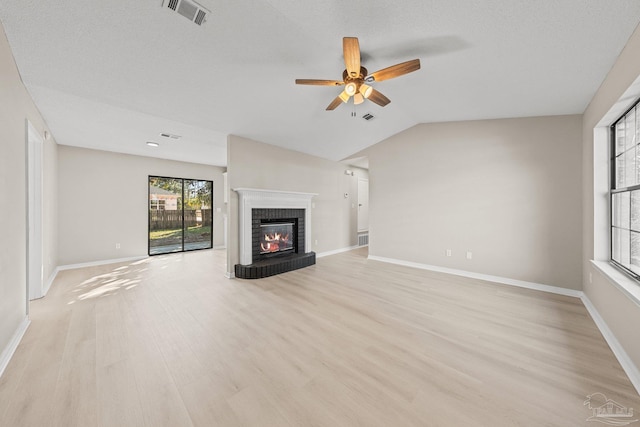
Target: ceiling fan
x=355, y=77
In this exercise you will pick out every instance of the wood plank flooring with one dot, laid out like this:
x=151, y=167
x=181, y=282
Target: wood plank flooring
x=168, y=341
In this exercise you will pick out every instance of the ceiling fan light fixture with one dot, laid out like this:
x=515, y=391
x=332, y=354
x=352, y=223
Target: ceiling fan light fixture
x=350, y=88
x=355, y=77
x=365, y=90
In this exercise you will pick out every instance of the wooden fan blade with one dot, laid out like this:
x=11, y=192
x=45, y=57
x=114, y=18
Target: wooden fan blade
x=351, y=49
x=378, y=98
x=396, y=70
x=319, y=82
x=334, y=104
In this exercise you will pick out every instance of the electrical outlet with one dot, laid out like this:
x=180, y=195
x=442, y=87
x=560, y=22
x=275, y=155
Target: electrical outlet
x=117, y=245
x=448, y=253
x=469, y=255
x=316, y=241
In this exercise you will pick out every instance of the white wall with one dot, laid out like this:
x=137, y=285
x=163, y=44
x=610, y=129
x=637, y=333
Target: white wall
x=103, y=199
x=619, y=311
x=507, y=190
x=253, y=164
x=50, y=210
x=16, y=107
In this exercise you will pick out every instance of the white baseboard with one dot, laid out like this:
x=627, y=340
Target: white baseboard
x=497, y=279
x=623, y=358
x=625, y=361
x=11, y=347
x=103, y=262
x=337, y=251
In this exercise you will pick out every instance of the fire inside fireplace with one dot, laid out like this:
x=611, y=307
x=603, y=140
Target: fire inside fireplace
x=277, y=237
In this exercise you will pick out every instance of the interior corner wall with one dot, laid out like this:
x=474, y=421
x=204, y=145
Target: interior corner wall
x=252, y=164
x=507, y=190
x=16, y=108
x=103, y=200
x=617, y=309
x=50, y=211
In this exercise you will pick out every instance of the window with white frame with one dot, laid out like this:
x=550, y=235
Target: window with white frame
x=157, y=205
x=625, y=192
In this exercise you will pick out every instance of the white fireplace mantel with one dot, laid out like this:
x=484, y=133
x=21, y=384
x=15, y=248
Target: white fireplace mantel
x=254, y=198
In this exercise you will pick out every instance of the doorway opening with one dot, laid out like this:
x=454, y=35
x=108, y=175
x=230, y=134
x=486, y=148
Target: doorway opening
x=180, y=215
x=363, y=212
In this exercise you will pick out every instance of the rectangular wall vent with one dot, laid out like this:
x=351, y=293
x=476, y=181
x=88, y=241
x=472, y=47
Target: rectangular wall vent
x=363, y=239
x=368, y=116
x=189, y=9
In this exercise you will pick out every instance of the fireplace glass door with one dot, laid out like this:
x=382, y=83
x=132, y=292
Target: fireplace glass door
x=276, y=237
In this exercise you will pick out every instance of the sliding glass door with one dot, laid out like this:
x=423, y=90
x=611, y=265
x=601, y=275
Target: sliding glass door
x=197, y=214
x=180, y=214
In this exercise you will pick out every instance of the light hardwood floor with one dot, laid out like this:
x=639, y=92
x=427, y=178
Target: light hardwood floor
x=168, y=341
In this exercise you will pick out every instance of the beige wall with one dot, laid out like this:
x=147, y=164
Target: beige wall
x=50, y=210
x=253, y=164
x=619, y=311
x=507, y=190
x=103, y=201
x=16, y=107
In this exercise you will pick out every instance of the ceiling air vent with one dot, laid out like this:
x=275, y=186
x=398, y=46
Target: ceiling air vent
x=368, y=116
x=189, y=9
x=170, y=135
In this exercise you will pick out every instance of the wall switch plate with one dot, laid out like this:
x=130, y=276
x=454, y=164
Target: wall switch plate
x=469, y=255
x=448, y=252
x=117, y=245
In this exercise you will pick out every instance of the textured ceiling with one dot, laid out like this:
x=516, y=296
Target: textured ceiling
x=114, y=74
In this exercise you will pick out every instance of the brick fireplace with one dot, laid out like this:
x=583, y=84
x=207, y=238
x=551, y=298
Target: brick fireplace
x=274, y=231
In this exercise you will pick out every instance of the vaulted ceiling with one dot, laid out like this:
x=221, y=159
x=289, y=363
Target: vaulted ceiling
x=114, y=74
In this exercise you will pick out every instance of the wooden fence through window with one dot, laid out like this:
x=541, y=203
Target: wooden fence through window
x=171, y=220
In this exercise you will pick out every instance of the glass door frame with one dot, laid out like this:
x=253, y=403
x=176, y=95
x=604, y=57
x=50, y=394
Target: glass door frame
x=182, y=210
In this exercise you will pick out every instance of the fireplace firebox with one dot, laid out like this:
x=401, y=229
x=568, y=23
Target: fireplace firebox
x=277, y=236
x=276, y=233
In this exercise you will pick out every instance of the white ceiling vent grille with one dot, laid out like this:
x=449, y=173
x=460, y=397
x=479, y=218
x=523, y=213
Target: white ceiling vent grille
x=368, y=116
x=189, y=9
